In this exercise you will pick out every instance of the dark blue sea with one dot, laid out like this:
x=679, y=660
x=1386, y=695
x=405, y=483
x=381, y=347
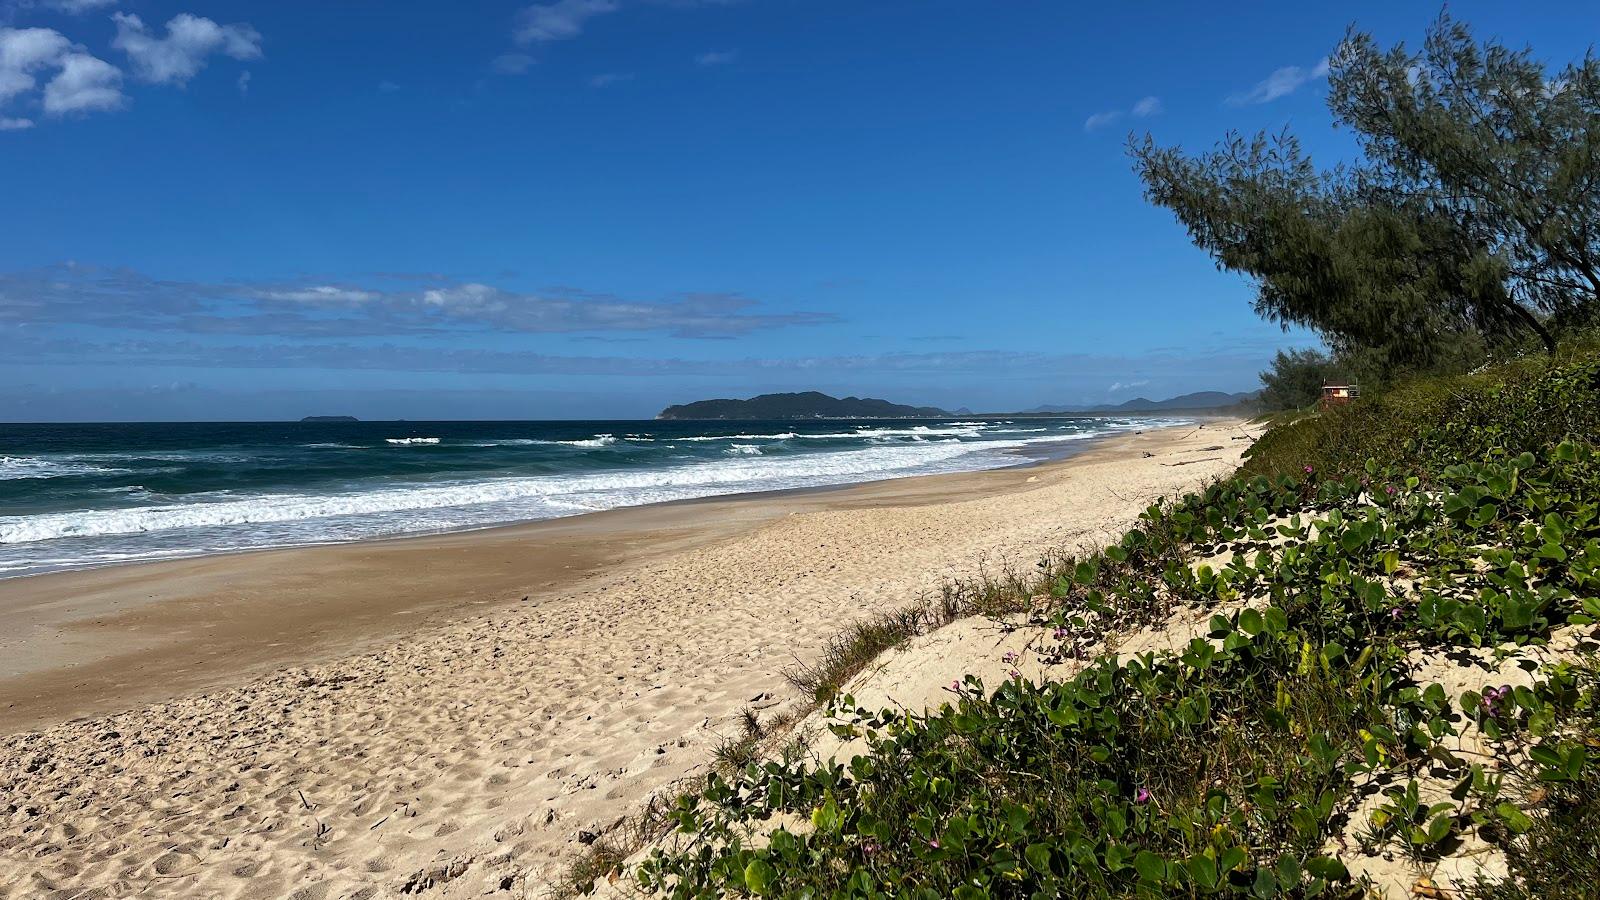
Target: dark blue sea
x=95, y=494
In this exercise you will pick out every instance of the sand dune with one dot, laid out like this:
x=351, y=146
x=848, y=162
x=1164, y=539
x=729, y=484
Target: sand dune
x=472, y=753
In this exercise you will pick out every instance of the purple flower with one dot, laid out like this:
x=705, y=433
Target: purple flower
x=1142, y=795
x=1309, y=470
x=955, y=687
x=1059, y=634
x=1015, y=674
x=1394, y=613
x=1389, y=490
x=1493, y=696
x=1009, y=658
x=934, y=843
x=869, y=848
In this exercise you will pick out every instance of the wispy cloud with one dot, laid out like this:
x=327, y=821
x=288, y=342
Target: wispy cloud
x=1280, y=83
x=1100, y=120
x=398, y=356
x=607, y=79
x=1146, y=107
x=387, y=87
x=69, y=295
x=558, y=21
x=79, y=7
x=716, y=58
x=511, y=63
x=1117, y=386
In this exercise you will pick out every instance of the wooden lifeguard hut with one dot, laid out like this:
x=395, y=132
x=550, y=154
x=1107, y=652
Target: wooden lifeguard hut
x=1338, y=394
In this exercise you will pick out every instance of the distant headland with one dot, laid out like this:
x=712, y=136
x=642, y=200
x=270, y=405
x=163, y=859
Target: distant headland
x=806, y=405
x=330, y=419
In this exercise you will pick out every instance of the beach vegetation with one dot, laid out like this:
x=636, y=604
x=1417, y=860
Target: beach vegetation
x=1465, y=519
x=1468, y=226
x=1295, y=379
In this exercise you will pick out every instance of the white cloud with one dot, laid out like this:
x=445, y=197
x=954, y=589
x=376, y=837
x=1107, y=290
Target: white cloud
x=79, y=7
x=1126, y=385
x=1144, y=109
x=511, y=63
x=1149, y=106
x=244, y=82
x=607, y=79
x=558, y=21
x=1280, y=83
x=119, y=298
x=388, y=87
x=716, y=58
x=1100, y=120
x=176, y=58
x=321, y=293
x=82, y=83
x=85, y=84
x=24, y=51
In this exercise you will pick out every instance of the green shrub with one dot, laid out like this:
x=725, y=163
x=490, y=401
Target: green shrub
x=1460, y=513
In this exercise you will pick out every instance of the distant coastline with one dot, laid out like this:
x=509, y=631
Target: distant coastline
x=805, y=405
x=330, y=419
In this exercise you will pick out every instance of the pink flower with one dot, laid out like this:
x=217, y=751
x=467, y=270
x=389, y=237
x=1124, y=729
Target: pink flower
x=1142, y=795
x=1309, y=470
x=955, y=687
x=1059, y=634
x=1010, y=657
x=1492, y=696
x=934, y=843
x=1015, y=674
x=1389, y=490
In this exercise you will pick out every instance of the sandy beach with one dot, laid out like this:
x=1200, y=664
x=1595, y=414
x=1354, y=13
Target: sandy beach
x=452, y=715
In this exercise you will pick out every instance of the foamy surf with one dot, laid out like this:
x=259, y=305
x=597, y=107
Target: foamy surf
x=287, y=486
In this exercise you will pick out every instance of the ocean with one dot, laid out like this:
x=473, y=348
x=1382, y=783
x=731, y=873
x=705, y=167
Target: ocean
x=80, y=495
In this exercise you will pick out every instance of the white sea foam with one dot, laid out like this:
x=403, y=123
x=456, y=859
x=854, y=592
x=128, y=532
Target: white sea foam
x=18, y=467
x=621, y=488
x=222, y=520
x=407, y=441
x=599, y=440
x=780, y=436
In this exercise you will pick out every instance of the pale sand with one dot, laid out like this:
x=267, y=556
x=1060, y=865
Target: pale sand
x=473, y=737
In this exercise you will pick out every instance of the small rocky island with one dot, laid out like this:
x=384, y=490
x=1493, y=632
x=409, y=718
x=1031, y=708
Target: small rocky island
x=330, y=419
x=806, y=405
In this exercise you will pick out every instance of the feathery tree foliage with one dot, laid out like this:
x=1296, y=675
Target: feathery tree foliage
x=1472, y=221
x=1295, y=379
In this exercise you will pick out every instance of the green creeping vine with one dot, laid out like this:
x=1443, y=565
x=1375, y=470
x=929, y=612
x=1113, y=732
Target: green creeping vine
x=1233, y=765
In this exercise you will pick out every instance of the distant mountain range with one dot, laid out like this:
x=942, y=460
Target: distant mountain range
x=1197, y=400
x=807, y=405
x=330, y=419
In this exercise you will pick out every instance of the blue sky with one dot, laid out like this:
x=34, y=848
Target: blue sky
x=593, y=208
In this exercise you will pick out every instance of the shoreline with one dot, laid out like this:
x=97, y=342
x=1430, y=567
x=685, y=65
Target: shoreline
x=356, y=715
x=146, y=631
x=1026, y=455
